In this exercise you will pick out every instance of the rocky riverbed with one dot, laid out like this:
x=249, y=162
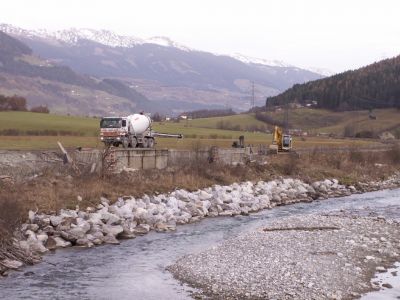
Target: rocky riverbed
x=302, y=257
x=129, y=217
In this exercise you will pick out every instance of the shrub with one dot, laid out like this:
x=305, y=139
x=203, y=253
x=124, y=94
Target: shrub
x=40, y=109
x=10, y=132
x=394, y=154
x=348, y=131
x=365, y=134
x=14, y=103
x=10, y=214
x=356, y=156
x=291, y=165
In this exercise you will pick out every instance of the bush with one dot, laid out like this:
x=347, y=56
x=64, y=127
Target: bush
x=394, y=154
x=10, y=215
x=46, y=132
x=348, y=131
x=269, y=120
x=291, y=165
x=40, y=109
x=396, y=133
x=10, y=132
x=356, y=156
x=365, y=134
x=13, y=103
x=208, y=113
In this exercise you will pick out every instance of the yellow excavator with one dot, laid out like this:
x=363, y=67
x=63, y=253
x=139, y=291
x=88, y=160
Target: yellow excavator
x=281, y=142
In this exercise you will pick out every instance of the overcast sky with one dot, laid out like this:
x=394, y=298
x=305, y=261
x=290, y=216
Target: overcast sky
x=337, y=35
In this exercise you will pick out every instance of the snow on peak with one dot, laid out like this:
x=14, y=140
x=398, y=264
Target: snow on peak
x=322, y=71
x=74, y=35
x=105, y=37
x=260, y=61
x=165, y=41
x=279, y=63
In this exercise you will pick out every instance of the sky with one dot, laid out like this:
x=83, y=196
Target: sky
x=337, y=35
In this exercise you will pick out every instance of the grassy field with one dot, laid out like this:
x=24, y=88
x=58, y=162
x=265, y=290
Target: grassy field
x=315, y=120
x=243, y=121
x=46, y=142
x=319, y=120
x=386, y=119
x=84, y=132
x=27, y=121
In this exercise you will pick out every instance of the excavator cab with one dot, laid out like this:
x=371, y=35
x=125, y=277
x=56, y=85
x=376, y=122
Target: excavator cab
x=286, y=142
x=281, y=142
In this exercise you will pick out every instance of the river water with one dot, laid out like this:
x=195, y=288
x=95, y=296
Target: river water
x=136, y=268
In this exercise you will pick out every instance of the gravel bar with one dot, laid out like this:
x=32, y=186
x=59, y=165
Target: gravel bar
x=301, y=257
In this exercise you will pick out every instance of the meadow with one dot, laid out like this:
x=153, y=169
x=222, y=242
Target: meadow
x=28, y=131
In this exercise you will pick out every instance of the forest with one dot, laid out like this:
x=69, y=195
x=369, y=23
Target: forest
x=374, y=86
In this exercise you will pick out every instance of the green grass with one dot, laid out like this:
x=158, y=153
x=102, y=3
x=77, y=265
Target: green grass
x=320, y=120
x=46, y=142
x=197, y=133
x=87, y=130
x=386, y=119
x=243, y=120
x=27, y=121
x=191, y=131
x=313, y=120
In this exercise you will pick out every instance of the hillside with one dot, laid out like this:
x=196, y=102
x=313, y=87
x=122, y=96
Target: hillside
x=43, y=82
x=374, y=86
x=175, y=76
x=314, y=121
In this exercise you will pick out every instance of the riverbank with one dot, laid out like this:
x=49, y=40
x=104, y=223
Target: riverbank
x=129, y=217
x=302, y=257
x=134, y=268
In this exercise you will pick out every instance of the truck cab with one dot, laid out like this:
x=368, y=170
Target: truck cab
x=113, y=130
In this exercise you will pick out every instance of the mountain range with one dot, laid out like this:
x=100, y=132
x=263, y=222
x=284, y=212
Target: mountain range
x=155, y=74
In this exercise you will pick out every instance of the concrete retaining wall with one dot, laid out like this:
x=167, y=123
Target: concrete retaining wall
x=143, y=159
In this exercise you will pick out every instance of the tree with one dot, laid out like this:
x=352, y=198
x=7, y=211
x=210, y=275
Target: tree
x=14, y=103
x=40, y=109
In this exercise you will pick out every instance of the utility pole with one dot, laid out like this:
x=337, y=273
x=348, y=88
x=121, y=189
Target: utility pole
x=286, y=117
x=252, y=95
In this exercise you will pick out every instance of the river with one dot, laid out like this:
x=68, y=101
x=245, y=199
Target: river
x=136, y=268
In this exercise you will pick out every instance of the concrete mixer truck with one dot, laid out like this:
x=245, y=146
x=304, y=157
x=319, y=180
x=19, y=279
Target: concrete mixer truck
x=133, y=131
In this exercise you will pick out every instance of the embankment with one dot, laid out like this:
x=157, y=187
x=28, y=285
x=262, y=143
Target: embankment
x=128, y=217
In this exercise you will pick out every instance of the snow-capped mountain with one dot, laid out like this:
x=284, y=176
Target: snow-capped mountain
x=162, y=69
x=72, y=36
x=261, y=61
x=322, y=71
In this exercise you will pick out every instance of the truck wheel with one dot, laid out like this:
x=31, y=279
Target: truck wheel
x=116, y=145
x=145, y=143
x=150, y=143
x=125, y=143
x=134, y=142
